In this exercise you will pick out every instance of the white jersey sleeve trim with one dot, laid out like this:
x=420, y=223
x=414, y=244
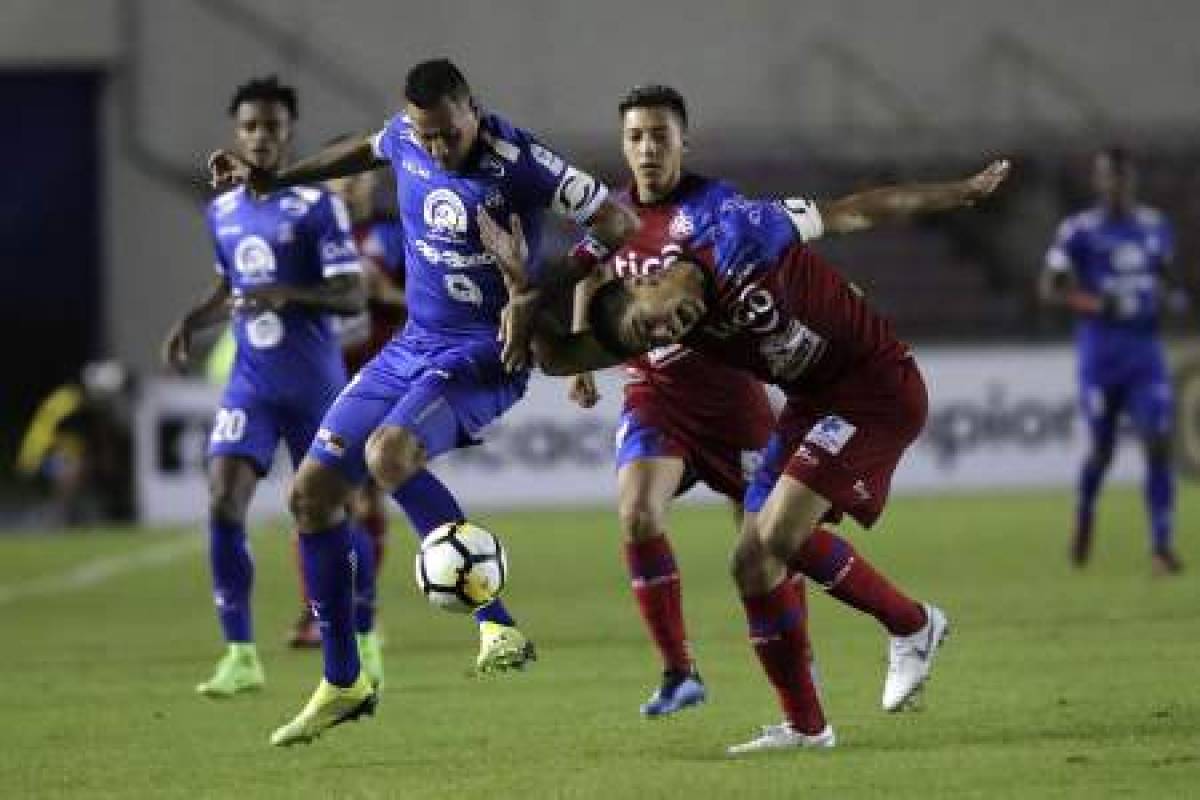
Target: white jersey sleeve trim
x=377, y=144
x=578, y=196
x=805, y=217
x=341, y=268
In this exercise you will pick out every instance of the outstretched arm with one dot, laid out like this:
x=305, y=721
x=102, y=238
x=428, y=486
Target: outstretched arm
x=864, y=210
x=350, y=157
x=209, y=311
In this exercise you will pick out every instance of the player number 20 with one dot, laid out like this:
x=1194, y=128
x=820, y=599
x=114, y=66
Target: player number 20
x=229, y=425
x=462, y=288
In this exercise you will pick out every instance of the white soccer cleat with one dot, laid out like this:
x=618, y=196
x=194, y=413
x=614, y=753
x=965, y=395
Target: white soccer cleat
x=910, y=659
x=785, y=737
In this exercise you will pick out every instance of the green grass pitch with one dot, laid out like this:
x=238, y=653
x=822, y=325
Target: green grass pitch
x=1053, y=684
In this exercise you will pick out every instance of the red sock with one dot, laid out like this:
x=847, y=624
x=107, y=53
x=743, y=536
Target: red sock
x=304, y=598
x=833, y=562
x=376, y=526
x=779, y=634
x=659, y=597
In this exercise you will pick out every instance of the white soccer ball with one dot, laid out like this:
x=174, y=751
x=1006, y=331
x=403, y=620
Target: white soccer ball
x=461, y=567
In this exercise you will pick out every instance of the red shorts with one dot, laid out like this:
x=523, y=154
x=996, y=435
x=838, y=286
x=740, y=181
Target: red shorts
x=844, y=442
x=722, y=453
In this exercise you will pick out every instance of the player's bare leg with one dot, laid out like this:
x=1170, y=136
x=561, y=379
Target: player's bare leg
x=232, y=481
x=318, y=499
x=645, y=488
x=775, y=611
x=395, y=455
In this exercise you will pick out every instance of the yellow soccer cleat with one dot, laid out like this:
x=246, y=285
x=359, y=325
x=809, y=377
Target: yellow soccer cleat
x=370, y=655
x=330, y=705
x=502, y=648
x=238, y=671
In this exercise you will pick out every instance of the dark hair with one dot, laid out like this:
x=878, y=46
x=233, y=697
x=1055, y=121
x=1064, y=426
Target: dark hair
x=605, y=309
x=654, y=95
x=429, y=82
x=267, y=89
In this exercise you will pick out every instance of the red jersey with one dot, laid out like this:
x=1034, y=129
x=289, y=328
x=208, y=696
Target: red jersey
x=778, y=310
x=381, y=245
x=699, y=394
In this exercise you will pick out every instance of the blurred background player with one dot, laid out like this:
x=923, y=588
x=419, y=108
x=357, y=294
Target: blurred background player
x=435, y=386
x=79, y=446
x=748, y=293
x=1110, y=266
x=688, y=418
x=380, y=241
x=285, y=262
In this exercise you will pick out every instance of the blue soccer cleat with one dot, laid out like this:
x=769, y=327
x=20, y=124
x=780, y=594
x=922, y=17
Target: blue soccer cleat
x=678, y=691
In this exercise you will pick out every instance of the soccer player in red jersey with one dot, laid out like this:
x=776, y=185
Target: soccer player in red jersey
x=688, y=418
x=745, y=291
x=381, y=245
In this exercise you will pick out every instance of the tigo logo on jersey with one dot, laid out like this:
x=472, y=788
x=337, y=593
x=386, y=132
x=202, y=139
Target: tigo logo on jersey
x=254, y=259
x=831, y=434
x=446, y=215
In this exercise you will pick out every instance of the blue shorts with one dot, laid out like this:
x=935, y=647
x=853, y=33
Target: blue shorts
x=444, y=394
x=249, y=425
x=1146, y=398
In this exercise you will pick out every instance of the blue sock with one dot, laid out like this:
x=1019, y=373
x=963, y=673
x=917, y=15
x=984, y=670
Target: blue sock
x=329, y=573
x=364, y=580
x=232, y=578
x=428, y=503
x=1160, y=502
x=1090, y=479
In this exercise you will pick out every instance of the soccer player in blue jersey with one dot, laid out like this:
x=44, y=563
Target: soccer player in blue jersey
x=1110, y=266
x=285, y=262
x=446, y=375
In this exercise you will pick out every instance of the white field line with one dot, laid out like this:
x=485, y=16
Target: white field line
x=100, y=570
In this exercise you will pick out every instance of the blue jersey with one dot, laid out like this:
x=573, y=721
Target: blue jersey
x=454, y=288
x=294, y=237
x=1123, y=259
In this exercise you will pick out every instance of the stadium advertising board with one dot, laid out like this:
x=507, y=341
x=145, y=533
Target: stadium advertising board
x=1000, y=418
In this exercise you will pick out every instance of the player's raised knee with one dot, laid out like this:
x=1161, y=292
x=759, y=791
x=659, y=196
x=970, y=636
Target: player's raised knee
x=393, y=456
x=316, y=497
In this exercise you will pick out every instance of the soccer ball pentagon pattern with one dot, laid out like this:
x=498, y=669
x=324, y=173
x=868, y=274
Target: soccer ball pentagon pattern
x=461, y=567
